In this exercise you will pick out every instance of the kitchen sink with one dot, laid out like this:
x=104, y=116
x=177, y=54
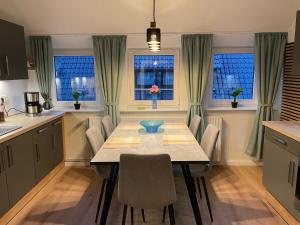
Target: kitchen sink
x=8, y=129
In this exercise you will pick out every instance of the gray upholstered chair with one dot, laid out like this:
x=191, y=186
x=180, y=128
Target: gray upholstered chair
x=208, y=144
x=146, y=182
x=194, y=125
x=108, y=125
x=96, y=140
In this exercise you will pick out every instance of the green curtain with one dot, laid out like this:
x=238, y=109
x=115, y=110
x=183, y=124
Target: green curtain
x=109, y=58
x=269, y=57
x=196, y=60
x=42, y=57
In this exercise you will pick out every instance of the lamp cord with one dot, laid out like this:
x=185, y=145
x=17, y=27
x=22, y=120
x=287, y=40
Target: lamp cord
x=154, y=11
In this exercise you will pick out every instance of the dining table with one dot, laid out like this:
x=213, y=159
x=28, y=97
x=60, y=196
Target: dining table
x=173, y=138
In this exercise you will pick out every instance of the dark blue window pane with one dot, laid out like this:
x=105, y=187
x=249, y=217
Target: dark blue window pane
x=232, y=71
x=75, y=73
x=150, y=70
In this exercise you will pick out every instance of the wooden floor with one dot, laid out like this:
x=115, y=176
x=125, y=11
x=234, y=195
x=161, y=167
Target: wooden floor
x=71, y=197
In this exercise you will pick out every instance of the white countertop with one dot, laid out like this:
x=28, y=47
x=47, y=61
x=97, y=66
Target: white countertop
x=27, y=123
x=290, y=129
x=72, y=110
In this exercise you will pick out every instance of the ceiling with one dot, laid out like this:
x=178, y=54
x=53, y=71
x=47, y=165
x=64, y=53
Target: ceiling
x=133, y=16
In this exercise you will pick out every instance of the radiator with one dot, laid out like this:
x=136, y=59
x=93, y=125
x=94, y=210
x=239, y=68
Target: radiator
x=217, y=121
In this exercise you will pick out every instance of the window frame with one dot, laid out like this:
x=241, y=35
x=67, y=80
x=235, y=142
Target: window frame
x=72, y=52
x=175, y=103
x=210, y=101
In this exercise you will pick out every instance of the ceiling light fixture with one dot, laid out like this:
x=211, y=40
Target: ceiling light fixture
x=153, y=34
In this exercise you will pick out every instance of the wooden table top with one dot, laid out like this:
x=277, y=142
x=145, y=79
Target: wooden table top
x=174, y=138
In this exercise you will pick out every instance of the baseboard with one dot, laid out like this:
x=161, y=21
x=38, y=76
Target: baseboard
x=240, y=163
x=77, y=162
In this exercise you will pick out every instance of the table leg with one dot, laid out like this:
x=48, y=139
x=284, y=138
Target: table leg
x=190, y=187
x=110, y=186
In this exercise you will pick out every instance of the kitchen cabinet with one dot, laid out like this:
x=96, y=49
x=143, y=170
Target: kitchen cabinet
x=43, y=143
x=4, y=201
x=48, y=148
x=20, y=172
x=58, y=153
x=13, y=63
x=281, y=159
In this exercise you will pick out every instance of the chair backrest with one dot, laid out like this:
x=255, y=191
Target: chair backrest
x=94, y=121
x=194, y=125
x=146, y=181
x=108, y=125
x=95, y=138
x=209, y=140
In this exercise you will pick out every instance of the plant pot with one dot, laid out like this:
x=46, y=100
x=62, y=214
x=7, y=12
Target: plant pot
x=77, y=106
x=234, y=104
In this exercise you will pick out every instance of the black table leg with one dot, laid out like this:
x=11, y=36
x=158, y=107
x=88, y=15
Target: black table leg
x=110, y=186
x=190, y=187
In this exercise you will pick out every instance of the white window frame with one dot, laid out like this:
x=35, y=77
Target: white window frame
x=147, y=103
x=73, y=52
x=210, y=101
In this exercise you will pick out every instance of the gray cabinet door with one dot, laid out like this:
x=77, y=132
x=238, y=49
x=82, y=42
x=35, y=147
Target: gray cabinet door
x=13, y=63
x=4, y=201
x=43, y=144
x=20, y=174
x=280, y=168
x=58, y=154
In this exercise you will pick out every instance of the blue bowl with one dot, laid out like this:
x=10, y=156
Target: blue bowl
x=151, y=126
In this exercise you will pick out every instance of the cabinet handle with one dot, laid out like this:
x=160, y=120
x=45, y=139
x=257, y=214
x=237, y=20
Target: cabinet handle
x=279, y=140
x=11, y=156
x=7, y=65
x=8, y=156
x=42, y=130
x=293, y=173
x=53, y=142
x=289, y=173
x=37, y=152
x=1, y=163
x=57, y=123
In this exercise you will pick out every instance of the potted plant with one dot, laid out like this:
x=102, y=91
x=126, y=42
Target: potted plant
x=154, y=91
x=76, y=95
x=235, y=94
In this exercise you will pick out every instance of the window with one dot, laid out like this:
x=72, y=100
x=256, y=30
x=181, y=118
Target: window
x=232, y=71
x=74, y=73
x=153, y=70
x=145, y=69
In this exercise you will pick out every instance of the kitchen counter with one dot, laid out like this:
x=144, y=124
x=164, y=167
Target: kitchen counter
x=290, y=129
x=27, y=123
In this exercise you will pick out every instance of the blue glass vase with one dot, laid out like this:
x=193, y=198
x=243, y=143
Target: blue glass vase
x=154, y=101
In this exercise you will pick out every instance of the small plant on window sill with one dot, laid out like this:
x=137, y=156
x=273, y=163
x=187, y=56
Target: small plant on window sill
x=235, y=94
x=76, y=95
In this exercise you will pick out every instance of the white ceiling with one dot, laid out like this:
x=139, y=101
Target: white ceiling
x=133, y=16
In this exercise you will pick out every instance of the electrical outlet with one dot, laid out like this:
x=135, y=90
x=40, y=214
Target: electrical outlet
x=3, y=100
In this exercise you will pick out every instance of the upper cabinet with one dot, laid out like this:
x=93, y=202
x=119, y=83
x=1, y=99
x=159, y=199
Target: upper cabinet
x=13, y=64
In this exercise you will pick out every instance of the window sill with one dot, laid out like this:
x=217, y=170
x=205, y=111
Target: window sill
x=228, y=108
x=72, y=110
x=145, y=109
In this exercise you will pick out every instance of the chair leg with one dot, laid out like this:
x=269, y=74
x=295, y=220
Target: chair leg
x=131, y=213
x=207, y=199
x=164, y=215
x=199, y=188
x=124, y=215
x=143, y=215
x=100, y=199
x=171, y=214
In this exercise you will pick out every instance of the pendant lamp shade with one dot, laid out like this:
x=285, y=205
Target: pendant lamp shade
x=153, y=34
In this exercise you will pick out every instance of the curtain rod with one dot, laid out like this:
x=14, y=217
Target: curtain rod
x=163, y=33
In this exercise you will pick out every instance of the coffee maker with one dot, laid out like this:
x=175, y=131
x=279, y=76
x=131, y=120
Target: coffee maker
x=32, y=103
